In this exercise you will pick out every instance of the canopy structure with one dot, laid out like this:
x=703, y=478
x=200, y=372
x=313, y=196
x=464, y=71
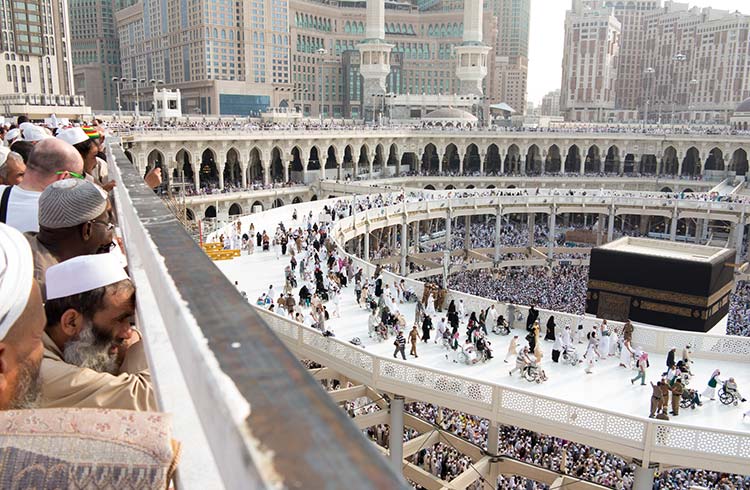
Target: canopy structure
x=450, y=117
x=502, y=106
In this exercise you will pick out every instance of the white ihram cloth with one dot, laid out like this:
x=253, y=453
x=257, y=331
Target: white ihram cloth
x=16, y=276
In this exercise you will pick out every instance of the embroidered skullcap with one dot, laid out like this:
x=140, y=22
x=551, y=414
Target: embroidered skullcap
x=82, y=274
x=72, y=136
x=70, y=202
x=16, y=276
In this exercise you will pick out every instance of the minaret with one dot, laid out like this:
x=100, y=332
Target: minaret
x=471, y=54
x=375, y=62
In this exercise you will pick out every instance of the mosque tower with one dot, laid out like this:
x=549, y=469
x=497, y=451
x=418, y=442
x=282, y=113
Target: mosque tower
x=375, y=62
x=471, y=54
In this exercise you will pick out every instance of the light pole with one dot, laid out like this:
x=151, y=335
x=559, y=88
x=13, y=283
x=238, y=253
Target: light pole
x=322, y=52
x=678, y=58
x=154, y=83
x=117, y=82
x=649, y=74
x=137, y=96
x=693, y=87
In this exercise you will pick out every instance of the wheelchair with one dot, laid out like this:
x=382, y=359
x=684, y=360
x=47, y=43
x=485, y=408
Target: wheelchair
x=569, y=356
x=381, y=332
x=501, y=328
x=728, y=396
x=533, y=374
x=689, y=399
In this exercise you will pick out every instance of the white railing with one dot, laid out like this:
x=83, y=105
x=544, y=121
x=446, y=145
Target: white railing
x=649, y=440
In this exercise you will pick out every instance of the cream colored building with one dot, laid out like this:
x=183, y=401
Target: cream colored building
x=592, y=41
x=36, y=73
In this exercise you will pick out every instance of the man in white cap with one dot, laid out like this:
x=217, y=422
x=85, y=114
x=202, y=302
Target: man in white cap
x=92, y=355
x=50, y=160
x=32, y=132
x=12, y=168
x=21, y=323
x=75, y=218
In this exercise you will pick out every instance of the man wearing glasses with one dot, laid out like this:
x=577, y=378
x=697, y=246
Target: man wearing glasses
x=75, y=218
x=50, y=160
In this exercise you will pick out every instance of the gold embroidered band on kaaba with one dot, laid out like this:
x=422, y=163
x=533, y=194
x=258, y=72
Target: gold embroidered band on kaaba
x=658, y=294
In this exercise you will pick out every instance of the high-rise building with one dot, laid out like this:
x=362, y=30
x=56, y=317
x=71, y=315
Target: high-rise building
x=225, y=56
x=35, y=66
x=700, y=60
x=590, y=60
x=96, y=53
x=551, y=104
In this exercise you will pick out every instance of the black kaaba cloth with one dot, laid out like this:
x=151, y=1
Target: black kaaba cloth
x=676, y=285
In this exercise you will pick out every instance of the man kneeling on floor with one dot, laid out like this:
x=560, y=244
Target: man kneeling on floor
x=92, y=355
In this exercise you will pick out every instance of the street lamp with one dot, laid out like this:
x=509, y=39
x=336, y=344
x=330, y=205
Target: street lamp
x=154, y=83
x=117, y=82
x=649, y=73
x=322, y=52
x=136, y=81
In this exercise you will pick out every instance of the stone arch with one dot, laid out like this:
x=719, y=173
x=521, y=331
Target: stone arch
x=451, y=159
x=331, y=160
x=430, y=159
x=257, y=203
x=513, y=160
x=691, y=165
x=715, y=160
x=235, y=209
x=450, y=187
x=669, y=162
x=573, y=160
x=493, y=162
x=379, y=159
x=429, y=187
x=552, y=164
x=592, y=164
x=612, y=160
x=297, y=200
x=393, y=160
x=184, y=166
x=648, y=164
x=210, y=212
x=297, y=165
x=472, y=160
x=666, y=189
x=629, y=164
x=533, y=160
x=255, y=167
x=364, y=158
x=232, y=168
x=470, y=186
x=739, y=161
x=409, y=160
x=208, y=173
x=348, y=161
x=155, y=159
x=491, y=186
x=277, y=203
x=313, y=162
x=277, y=165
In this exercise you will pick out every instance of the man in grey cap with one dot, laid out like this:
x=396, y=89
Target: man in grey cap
x=50, y=160
x=74, y=219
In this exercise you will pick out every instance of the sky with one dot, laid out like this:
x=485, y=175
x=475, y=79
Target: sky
x=548, y=31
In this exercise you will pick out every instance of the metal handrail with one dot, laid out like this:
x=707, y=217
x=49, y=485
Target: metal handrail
x=267, y=421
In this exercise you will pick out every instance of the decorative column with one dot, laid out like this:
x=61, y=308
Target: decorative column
x=611, y=224
x=448, y=219
x=644, y=478
x=467, y=232
x=243, y=170
x=680, y=160
x=621, y=167
x=286, y=168
x=367, y=242
x=396, y=436
x=602, y=159
x=544, y=162
x=740, y=236
x=502, y=154
x=498, y=226
x=530, y=220
x=563, y=159
x=582, y=168
x=404, y=246
x=266, y=173
x=492, y=450
x=482, y=158
x=673, y=225
x=599, y=225
x=551, y=242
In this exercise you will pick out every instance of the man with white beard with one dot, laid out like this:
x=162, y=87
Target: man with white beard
x=92, y=355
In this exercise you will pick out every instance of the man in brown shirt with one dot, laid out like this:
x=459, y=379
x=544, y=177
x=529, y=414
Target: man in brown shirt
x=74, y=219
x=413, y=339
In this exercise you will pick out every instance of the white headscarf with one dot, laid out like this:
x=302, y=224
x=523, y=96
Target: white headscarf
x=16, y=276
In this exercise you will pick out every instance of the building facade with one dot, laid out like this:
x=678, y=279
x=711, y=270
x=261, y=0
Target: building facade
x=550, y=104
x=35, y=64
x=590, y=61
x=95, y=51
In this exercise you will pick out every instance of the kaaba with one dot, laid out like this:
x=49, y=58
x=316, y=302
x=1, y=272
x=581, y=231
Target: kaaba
x=675, y=285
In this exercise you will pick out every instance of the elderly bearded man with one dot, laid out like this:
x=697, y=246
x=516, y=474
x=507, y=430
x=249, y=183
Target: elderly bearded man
x=21, y=323
x=92, y=355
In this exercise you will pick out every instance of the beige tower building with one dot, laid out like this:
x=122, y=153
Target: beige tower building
x=36, y=73
x=590, y=60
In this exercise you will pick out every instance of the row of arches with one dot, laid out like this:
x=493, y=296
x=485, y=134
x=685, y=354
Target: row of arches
x=237, y=208
x=229, y=169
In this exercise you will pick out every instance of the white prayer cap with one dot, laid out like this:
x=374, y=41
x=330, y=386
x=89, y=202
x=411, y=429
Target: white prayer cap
x=4, y=150
x=32, y=132
x=16, y=276
x=82, y=274
x=72, y=136
x=12, y=135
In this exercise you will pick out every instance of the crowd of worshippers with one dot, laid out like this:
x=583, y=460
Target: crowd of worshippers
x=67, y=334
